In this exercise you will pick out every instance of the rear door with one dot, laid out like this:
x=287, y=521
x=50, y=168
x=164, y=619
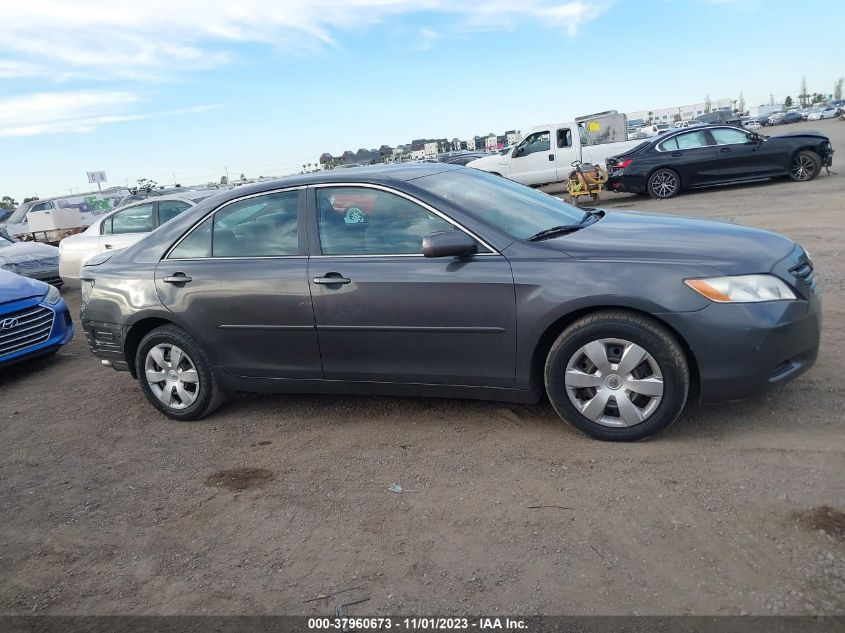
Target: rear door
x=126, y=226
x=693, y=156
x=238, y=281
x=533, y=159
x=386, y=313
x=565, y=152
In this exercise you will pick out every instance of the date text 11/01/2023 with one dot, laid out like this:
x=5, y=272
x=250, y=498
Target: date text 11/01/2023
x=416, y=624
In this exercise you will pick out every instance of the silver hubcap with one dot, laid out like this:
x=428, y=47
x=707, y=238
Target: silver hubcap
x=172, y=376
x=803, y=168
x=664, y=184
x=614, y=382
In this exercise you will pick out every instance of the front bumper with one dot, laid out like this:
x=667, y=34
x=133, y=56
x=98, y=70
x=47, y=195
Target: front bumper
x=744, y=349
x=35, y=335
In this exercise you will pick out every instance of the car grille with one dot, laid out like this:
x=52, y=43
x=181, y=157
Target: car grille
x=31, y=327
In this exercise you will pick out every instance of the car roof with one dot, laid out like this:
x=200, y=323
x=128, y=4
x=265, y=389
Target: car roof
x=366, y=173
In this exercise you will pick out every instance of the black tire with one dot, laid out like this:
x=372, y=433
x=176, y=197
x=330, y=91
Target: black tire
x=210, y=392
x=664, y=183
x=805, y=166
x=654, y=338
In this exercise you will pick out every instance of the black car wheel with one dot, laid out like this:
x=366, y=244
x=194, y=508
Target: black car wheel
x=664, y=183
x=805, y=166
x=176, y=375
x=617, y=376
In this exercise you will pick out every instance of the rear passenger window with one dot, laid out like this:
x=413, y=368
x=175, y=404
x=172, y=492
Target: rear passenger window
x=263, y=226
x=197, y=244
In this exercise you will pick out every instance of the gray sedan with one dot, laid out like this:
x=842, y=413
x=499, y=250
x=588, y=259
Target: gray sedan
x=436, y=280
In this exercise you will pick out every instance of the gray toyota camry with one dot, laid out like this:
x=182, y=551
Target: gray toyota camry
x=437, y=280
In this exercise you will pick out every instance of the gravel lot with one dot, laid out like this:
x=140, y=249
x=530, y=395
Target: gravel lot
x=109, y=508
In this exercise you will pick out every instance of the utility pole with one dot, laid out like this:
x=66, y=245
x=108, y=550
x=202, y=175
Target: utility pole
x=227, y=172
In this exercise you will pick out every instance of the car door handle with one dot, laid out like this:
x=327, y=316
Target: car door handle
x=551, y=157
x=725, y=149
x=330, y=279
x=177, y=278
x=676, y=154
x=108, y=246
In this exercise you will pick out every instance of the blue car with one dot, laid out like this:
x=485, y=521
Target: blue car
x=34, y=319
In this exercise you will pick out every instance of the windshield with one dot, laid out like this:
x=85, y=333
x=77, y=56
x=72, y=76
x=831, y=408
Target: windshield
x=516, y=209
x=19, y=214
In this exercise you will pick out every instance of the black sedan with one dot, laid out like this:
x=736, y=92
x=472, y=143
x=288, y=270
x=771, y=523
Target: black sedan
x=716, y=155
x=437, y=280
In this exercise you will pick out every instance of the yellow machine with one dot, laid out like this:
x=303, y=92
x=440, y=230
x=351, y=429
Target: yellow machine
x=585, y=180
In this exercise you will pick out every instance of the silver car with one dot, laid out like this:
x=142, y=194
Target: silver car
x=121, y=228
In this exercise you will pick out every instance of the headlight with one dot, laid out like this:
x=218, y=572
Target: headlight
x=741, y=288
x=53, y=296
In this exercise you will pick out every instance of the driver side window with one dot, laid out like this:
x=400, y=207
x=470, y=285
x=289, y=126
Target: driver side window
x=533, y=143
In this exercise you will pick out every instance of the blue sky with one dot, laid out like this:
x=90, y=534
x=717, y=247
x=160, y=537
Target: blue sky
x=148, y=88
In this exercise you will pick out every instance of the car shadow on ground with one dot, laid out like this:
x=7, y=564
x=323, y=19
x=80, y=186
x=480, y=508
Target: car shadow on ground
x=25, y=369
x=696, y=422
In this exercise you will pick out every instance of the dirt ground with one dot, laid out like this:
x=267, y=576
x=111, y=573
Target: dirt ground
x=106, y=507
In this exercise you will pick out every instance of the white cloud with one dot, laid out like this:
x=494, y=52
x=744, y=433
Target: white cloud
x=145, y=39
x=74, y=111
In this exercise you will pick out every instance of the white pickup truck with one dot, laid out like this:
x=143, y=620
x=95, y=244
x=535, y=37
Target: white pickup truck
x=547, y=152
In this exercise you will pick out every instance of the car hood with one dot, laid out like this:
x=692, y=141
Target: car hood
x=791, y=135
x=636, y=236
x=14, y=287
x=489, y=163
x=27, y=252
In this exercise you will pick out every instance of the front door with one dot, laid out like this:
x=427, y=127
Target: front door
x=740, y=158
x=386, y=313
x=533, y=160
x=238, y=281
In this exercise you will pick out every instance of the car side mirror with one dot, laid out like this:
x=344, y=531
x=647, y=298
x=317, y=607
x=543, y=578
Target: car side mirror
x=449, y=243
x=518, y=151
x=753, y=137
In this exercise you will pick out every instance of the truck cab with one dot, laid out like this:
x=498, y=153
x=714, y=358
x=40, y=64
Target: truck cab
x=546, y=153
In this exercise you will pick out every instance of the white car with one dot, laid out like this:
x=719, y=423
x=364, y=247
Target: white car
x=657, y=129
x=752, y=125
x=121, y=228
x=825, y=113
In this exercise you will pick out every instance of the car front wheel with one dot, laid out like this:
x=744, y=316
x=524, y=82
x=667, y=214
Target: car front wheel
x=617, y=376
x=664, y=183
x=805, y=166
x=176, y=375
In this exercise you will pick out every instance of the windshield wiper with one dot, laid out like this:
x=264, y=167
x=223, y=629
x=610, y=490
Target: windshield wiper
x=564, y=229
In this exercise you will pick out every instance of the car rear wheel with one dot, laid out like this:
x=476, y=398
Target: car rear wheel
x=176, y=375
x=664, y=183
x=617, y=376
x=805, y=166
